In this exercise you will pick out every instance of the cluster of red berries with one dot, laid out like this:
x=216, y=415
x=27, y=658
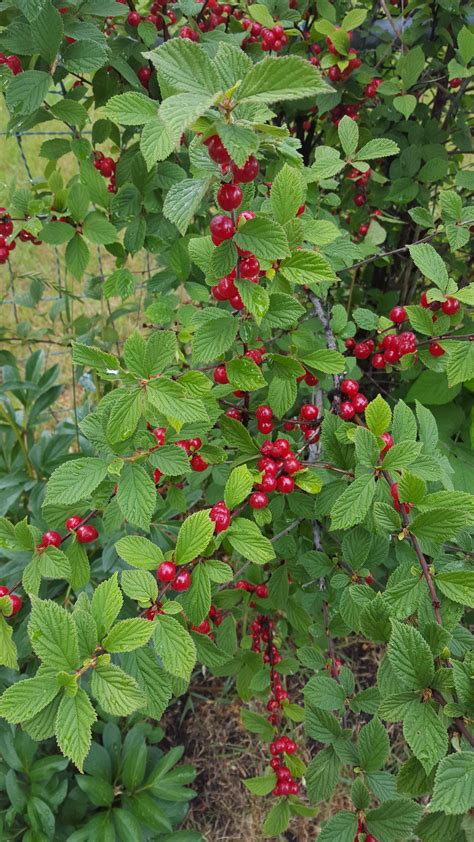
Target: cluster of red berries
x=277, y=464
x=270, y=39
x=259, y=590
x=107, y=168
x=13, y=62
x=361, y=828
x=286, y=784
x=335, y=74
x=339, y=111
x=370, y=90
x=6, y=229
x=356, y=402
x=15, y=600
x=158, y=16
x=221, y=517
x=190, y=446
x=85, y=533
x=167, y=573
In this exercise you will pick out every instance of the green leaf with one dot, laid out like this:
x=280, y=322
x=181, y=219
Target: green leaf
x=53, y=635
x=106, y=603
x=75, y=480
x=401, y=455
x=306, y=267
x=439, y=525
x=460, y=363
x=378, y=147
x=128, y=634
x=171, y=399
x=194, y=536
x=174, y=645
x=324, y=692
x=340, y=828
x=354, y=503
x=405, y=105
x=130, y=109
x=373, y=745
x=139, y=552
x=97, y=229
x=152, y=679
x=425, y=734
x=367, y=447
x=197, y=600
x=394, y=820
x=255, y=298
x=116, y=692
x=411, y=489
x=265, y=784
x=378, y=415
x=410, y=657
x=73, y=729
x=348, y=132
x=25, y=699
x=185, y=67
x=430, y=264
x=287, y=193
x=183, y=201
x=325, y=360
x=238, y=486
x=214, y=336
x=7, y=646
x=93, y=357
x=157, y=141
x=457, y=585
x=56, y=233
x=353, y=19
x=77, y=256
x=136, y=495
x=245, y=537
x=26, y=92
x=322, y=775
x=160, y=351
x=411, y=66
x=277, y=819
x=279, y=80
x=264, y=237
x=454, y=784
x=139, y=585
x=47, y=33
x=245, y=374
x=171, y=460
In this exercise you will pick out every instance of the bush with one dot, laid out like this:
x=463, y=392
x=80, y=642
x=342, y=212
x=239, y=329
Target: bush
x=265, y=474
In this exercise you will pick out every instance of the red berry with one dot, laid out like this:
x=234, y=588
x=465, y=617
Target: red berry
x=359, y=402
x=166, y=571
x=133, y=19
x=3, y=588
x=258, y=500
x=290, y=747
x=369, y=579
x=248, y=172
x=217, y=150
x=346, y=411
x=378, y=361
x=291, y=465
x=424, y=300
x=309, y=412
x=363, y=228
x=362, y=350
x=436, y=350
x=249, y=267
x=220, y=515
x=255, y=355
x=264, y=413
x=334, y=73
x=359, y=199
x=152, y=612
x=234, y=413
x=349, y=343
x=73, y=522
x=268, y=483
x=261, y=591
x=310, y=379
x=86, y=533
x=450, y=307
x=229, y=196
x=198, y=463
x=144, y=74
x=285, y=484
x=388, y=442
x=220, y=375
x=281, y=448
x=455, y=83
x=222, y=228
x=398, y=314
x=350, y=387
x=51, y=539
x=203, y=628
x=16, y=602
x=265, y=427
x=182, y=581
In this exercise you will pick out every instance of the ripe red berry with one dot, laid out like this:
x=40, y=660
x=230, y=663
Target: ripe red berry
x=346, y=411
x=234, y=413
x=255, y=355
x=248, y=172
x=86, y=533
x=455, y=83
x=281, y=448
x=144, y=74
x=388, y=442
x=182, y=581
x=73, y=522
x=334, y=73
x=220, y=375
x=203, y=628
x=261, y=591
x=229, y=196
x=166, y=571
x=369, y=579
x=359, y=402
x=222, y=228
x=258, y=500
x=217, y=150
x=291, y=465
x=362, y=350
x=349, y=387
x=4, y=590
x=157, y=475
x=450, y=307
x=265, y=427
x=268, y=483
x=436, y=350
x=198, y=463
x=363, y=228
x=51, y=539
x=16, y=602
x=264, y=413
x=378, y=361
x=220, y=515
x=285, y=484
x=309, y=412
x=134, y=19
x=249, y=267
x=359, y=199
x=398, y=314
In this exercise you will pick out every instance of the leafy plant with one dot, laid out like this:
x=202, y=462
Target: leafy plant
x=279, y=413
